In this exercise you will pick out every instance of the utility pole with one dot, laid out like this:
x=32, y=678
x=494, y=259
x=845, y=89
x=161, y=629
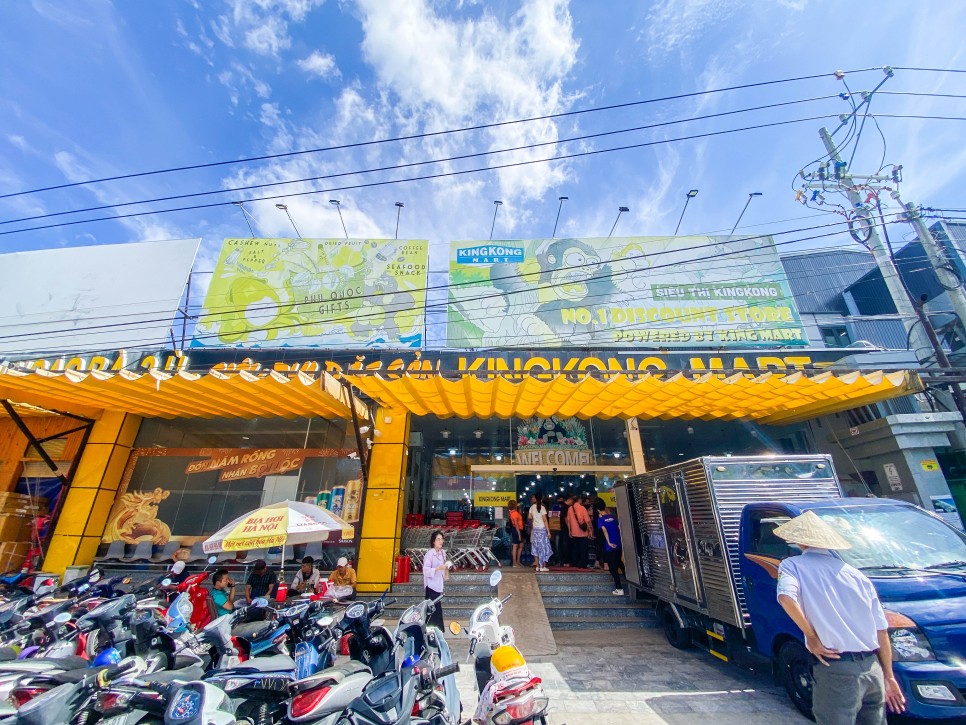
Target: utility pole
x=883, y=257
x=941, y=358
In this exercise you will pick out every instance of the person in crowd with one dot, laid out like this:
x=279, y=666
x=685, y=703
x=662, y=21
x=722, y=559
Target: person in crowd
x=515, y=526
x=553, y=525
x=344, y=576
x=223, y=592
x=539, y=533
x=600, y=547
x=177, y=572
x=435, y=573
x=578, y=521
x=845, y=628
x=306, y=578
x=261, y=582
x=610, y=546
x=563, y=543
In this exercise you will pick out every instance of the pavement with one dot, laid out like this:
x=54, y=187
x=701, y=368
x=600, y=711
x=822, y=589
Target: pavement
x=633, y=676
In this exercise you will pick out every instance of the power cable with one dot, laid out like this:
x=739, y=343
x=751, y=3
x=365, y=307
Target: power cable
x=425, y=177
x=431, y=134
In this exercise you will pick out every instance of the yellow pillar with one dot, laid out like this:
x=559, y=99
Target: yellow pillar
x=90, y=497
x=635, y=446
x=382, y=516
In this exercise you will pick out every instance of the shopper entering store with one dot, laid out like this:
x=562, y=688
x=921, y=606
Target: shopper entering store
x=578, y=521
x=539, y=534
x=515, y=527
x=563, y=538
x=435, y=574
x=610, y=546
x=306, y=578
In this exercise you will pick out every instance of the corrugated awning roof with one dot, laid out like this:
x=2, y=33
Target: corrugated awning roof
x=183, y=394
x=770, y=397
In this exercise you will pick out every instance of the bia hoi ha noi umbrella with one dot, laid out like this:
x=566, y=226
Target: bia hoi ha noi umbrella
x=279, y=524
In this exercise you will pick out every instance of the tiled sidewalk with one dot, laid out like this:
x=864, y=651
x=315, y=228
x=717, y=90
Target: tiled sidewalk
x=618, y=676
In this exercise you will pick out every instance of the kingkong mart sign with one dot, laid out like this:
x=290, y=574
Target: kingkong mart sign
x=332, y=293
x=665, y=291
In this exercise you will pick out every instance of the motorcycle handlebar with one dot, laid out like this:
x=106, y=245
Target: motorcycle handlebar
x=447, y=670
x=506, y=598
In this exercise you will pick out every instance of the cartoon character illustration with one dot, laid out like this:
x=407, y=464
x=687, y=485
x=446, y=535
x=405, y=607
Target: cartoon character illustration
x=137, y=517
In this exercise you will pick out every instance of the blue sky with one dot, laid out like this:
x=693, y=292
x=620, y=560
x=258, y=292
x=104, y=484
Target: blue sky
x=93, y=88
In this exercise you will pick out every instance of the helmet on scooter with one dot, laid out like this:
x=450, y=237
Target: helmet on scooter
x=506, y=662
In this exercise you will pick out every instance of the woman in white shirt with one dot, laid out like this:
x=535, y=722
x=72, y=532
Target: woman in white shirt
x=539, y=536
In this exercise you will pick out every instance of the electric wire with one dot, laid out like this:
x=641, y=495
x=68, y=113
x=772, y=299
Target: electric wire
x=439, y=175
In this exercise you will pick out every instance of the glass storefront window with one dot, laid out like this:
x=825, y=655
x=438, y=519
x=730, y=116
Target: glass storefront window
x=187, y=478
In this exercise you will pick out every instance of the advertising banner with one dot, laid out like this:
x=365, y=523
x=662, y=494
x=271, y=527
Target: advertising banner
x=333, y=293
x=631, y=291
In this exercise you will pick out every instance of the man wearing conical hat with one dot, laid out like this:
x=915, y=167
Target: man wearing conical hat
x=838, y=610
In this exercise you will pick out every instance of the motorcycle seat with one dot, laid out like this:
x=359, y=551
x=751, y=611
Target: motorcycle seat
x=250, y=631
x=335, y=675
x=7, y=654
x=71, y=662
x=275, y=663
x=186, y=674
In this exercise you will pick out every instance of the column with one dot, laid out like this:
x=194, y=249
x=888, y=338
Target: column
x=635, y=447
x=382, y=515
x=91, y=495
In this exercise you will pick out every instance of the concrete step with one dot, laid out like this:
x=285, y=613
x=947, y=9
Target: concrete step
x=614, y=610
x=567, y=623
x=585, y=599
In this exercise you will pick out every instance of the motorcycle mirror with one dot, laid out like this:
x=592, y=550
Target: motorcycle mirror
x=455, y=628
x=166, y=582
x=212, y=559
x=260, y=602
x=496, y=577
x=62, y=618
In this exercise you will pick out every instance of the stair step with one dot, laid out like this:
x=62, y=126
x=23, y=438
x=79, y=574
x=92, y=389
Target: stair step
x=589, y=600
x=566, y=623
x=613, y=610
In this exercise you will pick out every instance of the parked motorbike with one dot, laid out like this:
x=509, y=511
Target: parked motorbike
x=509, y=693
x=408, y=696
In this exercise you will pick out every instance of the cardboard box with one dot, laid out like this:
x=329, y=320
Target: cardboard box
x=12, y=556
x=14, y=528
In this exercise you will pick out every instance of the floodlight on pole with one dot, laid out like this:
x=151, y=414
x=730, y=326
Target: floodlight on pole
x=294, y=226
x=496, y=208
x=560, y=199
x=620, y=210
x=244, y=211
x=399, y=208
x=690, y=195
x=338, y=207
x=751, y=196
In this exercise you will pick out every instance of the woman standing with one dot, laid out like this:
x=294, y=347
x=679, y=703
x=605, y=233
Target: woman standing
x=539, y=536
x=435, y=573
x=516, y=532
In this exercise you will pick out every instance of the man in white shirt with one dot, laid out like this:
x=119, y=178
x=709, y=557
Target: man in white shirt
x=838, y=611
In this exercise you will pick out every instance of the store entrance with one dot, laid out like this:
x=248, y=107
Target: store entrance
x=551, y=485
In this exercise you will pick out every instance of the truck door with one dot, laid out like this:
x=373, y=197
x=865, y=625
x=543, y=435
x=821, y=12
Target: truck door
x=671, y=495
x=761, y=553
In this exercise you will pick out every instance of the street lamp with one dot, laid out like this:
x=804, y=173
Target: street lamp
x=338, y=206
x=620, y=210
x=399, y=208
x=285, y=209
x=751, y=196
x=691, y=194
x=244, y=211
x=496, y=208
x=561, y=199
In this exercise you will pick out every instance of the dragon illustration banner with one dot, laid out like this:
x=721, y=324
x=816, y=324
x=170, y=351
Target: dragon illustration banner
x=667, y=292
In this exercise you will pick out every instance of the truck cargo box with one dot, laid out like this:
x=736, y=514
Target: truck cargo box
x=680, y=524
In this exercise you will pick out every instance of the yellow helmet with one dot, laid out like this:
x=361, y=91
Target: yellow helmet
x=506, y=659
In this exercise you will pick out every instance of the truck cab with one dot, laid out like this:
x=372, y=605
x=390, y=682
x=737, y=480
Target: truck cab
x=917, y=563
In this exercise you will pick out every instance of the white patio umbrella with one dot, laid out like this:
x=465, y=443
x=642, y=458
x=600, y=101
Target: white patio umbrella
x=278, y=524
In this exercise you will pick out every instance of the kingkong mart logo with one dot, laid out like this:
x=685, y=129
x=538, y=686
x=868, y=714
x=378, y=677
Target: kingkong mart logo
x=487, y=254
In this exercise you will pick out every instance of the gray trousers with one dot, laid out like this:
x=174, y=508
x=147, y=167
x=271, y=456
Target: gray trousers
x=849, y=693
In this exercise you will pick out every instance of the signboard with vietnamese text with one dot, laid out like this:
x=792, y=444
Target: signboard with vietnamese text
x=664, y=291
x=235, y=464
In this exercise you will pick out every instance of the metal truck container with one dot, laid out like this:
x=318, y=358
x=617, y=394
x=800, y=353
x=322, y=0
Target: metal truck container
x=680, y=524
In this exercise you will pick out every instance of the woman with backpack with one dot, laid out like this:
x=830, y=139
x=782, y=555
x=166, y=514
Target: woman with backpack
x=539, y=534
x=515, y=528
x=578, y=521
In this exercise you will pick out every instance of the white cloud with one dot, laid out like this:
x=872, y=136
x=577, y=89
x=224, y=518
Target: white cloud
x=261, y=25
x=319, y=64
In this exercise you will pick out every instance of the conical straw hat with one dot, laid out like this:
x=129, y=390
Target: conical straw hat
x=809, y=530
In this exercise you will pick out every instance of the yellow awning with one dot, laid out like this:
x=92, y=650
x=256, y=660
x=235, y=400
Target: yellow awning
x=183, y=394
x=769, y=397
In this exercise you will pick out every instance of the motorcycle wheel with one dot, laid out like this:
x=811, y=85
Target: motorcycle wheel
x=795, y=672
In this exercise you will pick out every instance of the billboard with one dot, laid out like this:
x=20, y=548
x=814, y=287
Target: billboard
x=630, y=291
x=99, y=297
x=333, y=293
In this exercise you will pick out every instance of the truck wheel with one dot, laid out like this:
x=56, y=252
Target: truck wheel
x=795, y=671
x=677, y=636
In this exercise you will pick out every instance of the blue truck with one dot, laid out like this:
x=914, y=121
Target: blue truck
x=699, y=537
